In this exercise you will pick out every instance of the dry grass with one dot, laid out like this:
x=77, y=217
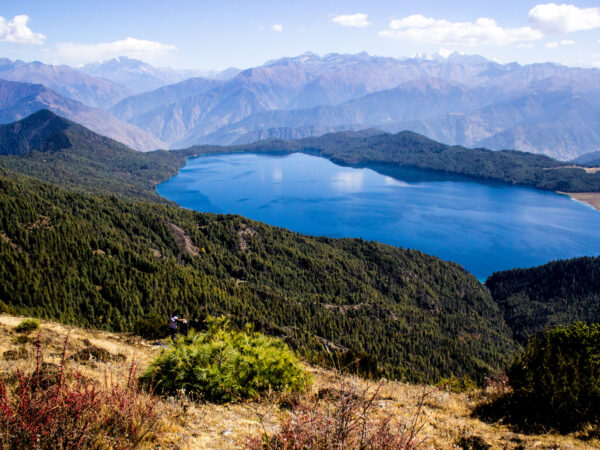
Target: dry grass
x=188, y=425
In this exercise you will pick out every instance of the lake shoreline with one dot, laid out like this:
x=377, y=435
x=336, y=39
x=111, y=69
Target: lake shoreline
x=590, y=198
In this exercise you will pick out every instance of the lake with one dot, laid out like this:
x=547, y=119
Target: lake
x=483, y=226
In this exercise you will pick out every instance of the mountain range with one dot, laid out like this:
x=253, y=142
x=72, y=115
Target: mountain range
x=466, y=100
x=457, y=99
x=66, y=81
x=136, y=75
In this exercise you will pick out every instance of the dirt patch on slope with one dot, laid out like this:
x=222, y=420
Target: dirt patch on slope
x=42, y=222
x=183, y=241
x=244, y=233
x=9, y=241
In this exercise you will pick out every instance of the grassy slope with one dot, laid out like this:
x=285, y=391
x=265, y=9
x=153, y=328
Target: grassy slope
x=185, y=424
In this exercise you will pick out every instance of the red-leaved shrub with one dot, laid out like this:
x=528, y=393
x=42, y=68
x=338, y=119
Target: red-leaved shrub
x=51, y=409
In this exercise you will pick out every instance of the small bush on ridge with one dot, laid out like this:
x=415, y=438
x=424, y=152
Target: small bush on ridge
x=221, y=364
x=457, y=385
x=27, y=326
x=473, y=442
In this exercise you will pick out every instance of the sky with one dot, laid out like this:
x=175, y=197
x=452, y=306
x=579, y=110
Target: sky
x=214, y=35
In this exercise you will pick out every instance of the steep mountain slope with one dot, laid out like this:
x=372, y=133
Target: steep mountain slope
x=40, y=131
x=66, y=81
x=592, y=159
x=142, y=103
x=137, y=75
x=210, y=110
x=560, y=123
x=558, y=293
x=18, y=100
x=411, y=100
x=55, y=149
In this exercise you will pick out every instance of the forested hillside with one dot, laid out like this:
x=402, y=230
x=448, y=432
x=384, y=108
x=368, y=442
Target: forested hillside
x=104, y=262
x=57, y=150
x=558, y=293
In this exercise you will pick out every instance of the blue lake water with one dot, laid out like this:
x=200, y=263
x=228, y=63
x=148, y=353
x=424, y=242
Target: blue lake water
x=483, y=226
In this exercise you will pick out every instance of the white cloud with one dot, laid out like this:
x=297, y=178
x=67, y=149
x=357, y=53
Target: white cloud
x=414, y=21
x=483, y=31
x=559, y=44
x=16, y=31
x=134, y=48
x=553, y=18
x=277, y=27
x=358, y=20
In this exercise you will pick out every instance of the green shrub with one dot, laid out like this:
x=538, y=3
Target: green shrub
x=457, y=385
x=555, y=381
x=221, y=364
x=27, y=326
